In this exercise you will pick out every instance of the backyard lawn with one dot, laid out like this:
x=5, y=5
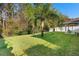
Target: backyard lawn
x=52, y=44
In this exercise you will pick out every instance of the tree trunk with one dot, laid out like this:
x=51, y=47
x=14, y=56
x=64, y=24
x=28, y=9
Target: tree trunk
x=29, y=28
x=54, y=29
x=42, y=28
x=1, y=33
x=42, y=33
x=1, y=29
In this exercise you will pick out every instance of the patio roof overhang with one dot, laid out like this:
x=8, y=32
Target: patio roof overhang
x=65, y=23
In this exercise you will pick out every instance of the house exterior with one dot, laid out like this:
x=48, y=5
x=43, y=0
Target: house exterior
x=70, y=24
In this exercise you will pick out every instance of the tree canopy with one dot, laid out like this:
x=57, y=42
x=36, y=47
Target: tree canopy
x=29, y=18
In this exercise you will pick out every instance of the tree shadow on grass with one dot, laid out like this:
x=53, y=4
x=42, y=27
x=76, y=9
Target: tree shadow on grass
x=41, y=50
x=47, y=37
x=4, y=51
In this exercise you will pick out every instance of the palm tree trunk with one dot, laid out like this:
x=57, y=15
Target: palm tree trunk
x=42, y=28
x=54, y=29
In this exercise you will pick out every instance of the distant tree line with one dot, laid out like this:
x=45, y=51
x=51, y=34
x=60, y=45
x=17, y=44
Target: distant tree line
x=19, y=19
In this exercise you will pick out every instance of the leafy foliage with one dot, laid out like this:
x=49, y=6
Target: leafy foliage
x=4, y=51
x=31, y=18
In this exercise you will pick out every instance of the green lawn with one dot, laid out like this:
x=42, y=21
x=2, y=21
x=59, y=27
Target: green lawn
x=69, y=44
x=56, y=43
x=22, y=44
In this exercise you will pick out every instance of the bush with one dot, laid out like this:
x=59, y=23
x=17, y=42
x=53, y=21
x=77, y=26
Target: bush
x=21, y=33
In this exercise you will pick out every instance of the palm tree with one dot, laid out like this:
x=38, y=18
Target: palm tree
x=41, y=12
x=46, y=13
x=56, y=19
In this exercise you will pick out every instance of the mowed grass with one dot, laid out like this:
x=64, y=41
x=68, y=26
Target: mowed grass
x=69, y=43
x=52, y=44
x=21, y=44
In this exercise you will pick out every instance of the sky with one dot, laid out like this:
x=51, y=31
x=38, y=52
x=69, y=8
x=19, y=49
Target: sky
x=69, y=9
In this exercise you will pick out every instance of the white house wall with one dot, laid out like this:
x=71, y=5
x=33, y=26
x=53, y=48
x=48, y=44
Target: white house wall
x=62, y=29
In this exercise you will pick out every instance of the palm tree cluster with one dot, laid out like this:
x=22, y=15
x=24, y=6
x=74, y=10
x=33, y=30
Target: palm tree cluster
x=28, y=18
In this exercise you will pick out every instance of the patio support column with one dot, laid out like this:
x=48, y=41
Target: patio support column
x=68, y=26
x=72, y=27
x=65, y=27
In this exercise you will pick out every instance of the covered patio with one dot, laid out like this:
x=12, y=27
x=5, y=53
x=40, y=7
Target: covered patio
x=72, y=24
